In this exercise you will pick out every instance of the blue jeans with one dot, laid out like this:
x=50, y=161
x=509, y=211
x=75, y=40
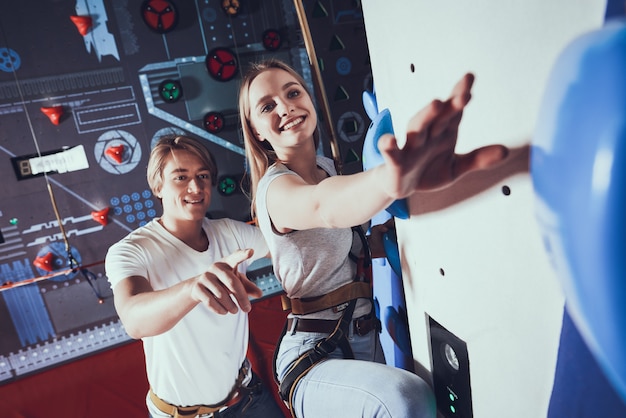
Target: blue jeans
x=364, y=387
x=260, y=403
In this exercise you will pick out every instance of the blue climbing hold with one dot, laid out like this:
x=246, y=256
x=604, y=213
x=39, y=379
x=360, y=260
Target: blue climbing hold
x=381, y=124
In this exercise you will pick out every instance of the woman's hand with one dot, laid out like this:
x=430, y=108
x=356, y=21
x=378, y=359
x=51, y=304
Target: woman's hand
x=375, y=238
x=428, y=160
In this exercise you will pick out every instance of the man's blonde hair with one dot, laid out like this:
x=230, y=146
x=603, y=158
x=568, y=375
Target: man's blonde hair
x=164, y=147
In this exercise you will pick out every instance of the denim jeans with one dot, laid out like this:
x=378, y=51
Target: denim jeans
x=363, y=387
x=260, y=403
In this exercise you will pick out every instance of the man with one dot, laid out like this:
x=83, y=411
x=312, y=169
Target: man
x=179, y=285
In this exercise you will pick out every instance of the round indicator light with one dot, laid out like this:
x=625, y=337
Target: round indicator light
x=159, y=15
x=231, y=7
x=272, y=40
x=227, y=185
x=214, y=122
x=170, y=91
x=221, y=64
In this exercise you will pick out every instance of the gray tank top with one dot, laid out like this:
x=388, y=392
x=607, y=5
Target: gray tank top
x=310, y=262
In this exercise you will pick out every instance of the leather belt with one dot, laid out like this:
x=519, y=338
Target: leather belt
x=236, y=394
x=191, y=411
x=361, y=326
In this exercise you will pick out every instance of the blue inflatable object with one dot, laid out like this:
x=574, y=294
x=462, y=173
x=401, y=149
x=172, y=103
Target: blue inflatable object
x=381, y=124
x=578, y=168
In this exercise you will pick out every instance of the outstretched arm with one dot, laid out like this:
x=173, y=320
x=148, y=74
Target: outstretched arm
x=146, y=312
x=427, y=161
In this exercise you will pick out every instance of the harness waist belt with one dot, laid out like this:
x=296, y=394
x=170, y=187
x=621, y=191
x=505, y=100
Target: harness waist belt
x=337, y=297
x=361, y=326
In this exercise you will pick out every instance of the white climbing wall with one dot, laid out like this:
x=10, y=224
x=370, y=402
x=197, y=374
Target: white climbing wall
x=472, y=256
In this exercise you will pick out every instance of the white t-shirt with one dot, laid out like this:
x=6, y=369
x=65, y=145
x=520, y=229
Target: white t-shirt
x=197, y=361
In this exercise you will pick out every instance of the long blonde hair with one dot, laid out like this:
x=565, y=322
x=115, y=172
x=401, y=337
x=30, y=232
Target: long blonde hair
x=259, y=154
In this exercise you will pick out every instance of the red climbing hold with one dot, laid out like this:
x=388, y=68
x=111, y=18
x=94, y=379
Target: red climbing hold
x=101, y=216
x=54, y=113
x=45, y=262
x=83, y=24
x=116, y=153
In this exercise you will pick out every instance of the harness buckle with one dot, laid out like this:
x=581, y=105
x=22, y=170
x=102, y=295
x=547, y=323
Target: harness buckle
x=340, y=307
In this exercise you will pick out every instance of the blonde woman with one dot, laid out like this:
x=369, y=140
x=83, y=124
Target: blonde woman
x=306, y=212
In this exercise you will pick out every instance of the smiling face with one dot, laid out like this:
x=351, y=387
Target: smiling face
x=186, y=188
x=281, y=110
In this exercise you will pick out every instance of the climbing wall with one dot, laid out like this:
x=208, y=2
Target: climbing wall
x=484, y=304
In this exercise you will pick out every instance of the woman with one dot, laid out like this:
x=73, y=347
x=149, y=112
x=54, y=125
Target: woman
x=306, y=212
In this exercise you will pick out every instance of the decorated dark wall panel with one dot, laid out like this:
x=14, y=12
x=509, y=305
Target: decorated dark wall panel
x=85, y=88
x=338, y=31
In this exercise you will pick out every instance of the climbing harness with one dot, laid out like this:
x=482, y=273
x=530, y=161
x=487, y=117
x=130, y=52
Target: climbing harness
x=342, y=299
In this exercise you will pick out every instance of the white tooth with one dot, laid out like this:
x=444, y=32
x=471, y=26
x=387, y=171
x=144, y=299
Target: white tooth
x=292, y=124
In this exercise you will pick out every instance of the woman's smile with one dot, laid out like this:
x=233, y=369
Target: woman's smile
x=293, y=123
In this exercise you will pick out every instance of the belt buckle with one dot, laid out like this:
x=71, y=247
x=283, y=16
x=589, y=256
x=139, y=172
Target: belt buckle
x=365, y=325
